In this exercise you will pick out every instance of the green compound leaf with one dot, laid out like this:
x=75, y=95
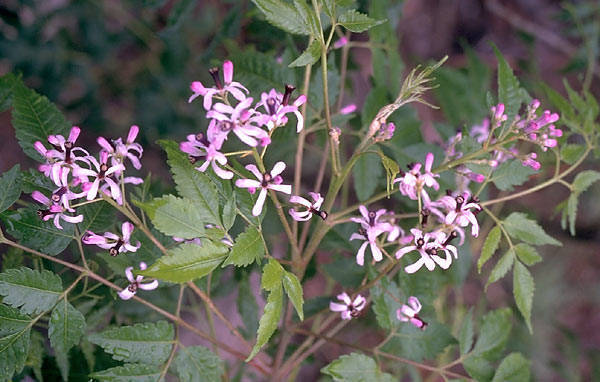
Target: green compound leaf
x=247, y=307
x=188, y=262
x=248, y=248
x=130, y=372
x=493, y=334
x=149, y=343
x=465, y=336
x=35, y=357
x=527, y=254
x=357, y=22
x=519, y=226
x=514, y=367
x=416, y=344
x=67, y=325
x=25, y=225
x=489, y=247
x=192, y=184
x=268, y=322
x=585, y=179
x=198, y=364
x=15, y=330
x=179, y=217
x=309, y=56
x=356, y=367
x=10, y=187
x=479, y=368
x=511, y=173
x=283, y=16
x=31, y=291
x=293, y=289
x=34, y=118
x=272, y=275
x=97, y=217
x=509, y=89
x=502, y=266
x=523, y=287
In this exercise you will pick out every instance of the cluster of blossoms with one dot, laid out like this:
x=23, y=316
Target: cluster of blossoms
x=349, y=308
x=79, y=175
x=253, y=124
x=539, y=130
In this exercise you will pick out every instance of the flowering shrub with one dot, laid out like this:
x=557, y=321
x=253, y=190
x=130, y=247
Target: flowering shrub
x=393, y=257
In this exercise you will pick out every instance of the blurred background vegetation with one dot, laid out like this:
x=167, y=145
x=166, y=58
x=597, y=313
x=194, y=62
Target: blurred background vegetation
x=109, y=64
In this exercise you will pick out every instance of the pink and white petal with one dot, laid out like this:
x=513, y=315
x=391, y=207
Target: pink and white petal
x=126, y=294
x=403, y=251
x=228, y=71
x=73, y=219
x=133, y=133
x=285, y=188
x=300, y=118
x=428, y=162
x=236, y=93
x=221, y=173
x=105, y=144
x=414, y=303
x=149, y=286
x=346, y=315
x=364, y=212
x=130, y=247
x=57, y=221
x=254, y=170
x=376, y=252
x=115, y=191
x=135, y=161
x=247, y=183
x=450, y=217
x=415, y=266
x=344, y=297
x=258, y=206
x=360, y=255
x=359, y=302
x=335, y=307
x=357, y=236
x=300, y=200
x=475, y=224
x=277, y=169
x=93, y=191
x=40, y=198
x=300, y=215
x=408, y=311
x=127, y=229
x=129, y=274
x=143, y=266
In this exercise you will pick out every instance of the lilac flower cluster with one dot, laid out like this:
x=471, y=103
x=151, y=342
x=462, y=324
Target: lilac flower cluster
x=539, y=130
x=253, y=124
x=78, y=175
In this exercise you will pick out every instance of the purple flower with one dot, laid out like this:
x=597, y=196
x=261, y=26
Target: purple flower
x=55, y=210
x=413, y=181
x=312, y=208
x=236, y=89
x=101, y=174
x=530, y=161
x=348, y=109
x=199, y=148
x=118, y=150
x=114, y=243
x=266, y=181
x=385, y=132
x=424, y=247
x=340, y=43
x=61, y=158
x=349, y=308
x=370, y=229
x=277, y=106
x=241, y=120
x=135, y=283
x=459, y=211
x=408, y=313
